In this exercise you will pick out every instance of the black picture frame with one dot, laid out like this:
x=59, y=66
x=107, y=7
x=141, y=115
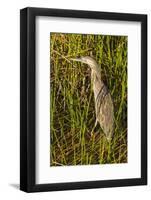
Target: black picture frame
x=28, y=98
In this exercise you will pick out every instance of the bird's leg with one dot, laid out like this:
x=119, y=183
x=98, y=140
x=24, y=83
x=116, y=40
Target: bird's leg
x=109, y=149
x=94, y=127
x=96, y=121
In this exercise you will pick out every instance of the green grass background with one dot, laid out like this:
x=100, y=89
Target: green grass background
x=72, y=112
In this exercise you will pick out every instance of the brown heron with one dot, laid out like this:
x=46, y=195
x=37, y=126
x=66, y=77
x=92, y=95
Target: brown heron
x=104, y=108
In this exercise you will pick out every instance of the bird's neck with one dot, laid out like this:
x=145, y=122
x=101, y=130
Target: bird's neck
x=96, y=82
x=95, y=76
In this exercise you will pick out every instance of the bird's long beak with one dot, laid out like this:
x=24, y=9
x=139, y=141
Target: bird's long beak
x=76, y=59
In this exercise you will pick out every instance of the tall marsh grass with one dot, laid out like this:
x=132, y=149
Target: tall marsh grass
x=72, y=112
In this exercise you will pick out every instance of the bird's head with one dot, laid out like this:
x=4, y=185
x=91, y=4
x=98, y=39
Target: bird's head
x=87, y=60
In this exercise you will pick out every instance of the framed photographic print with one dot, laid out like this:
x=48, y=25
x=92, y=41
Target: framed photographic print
x=83, y=99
